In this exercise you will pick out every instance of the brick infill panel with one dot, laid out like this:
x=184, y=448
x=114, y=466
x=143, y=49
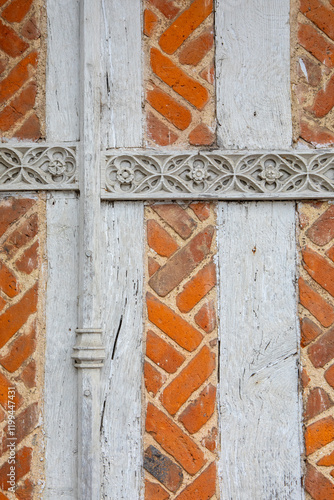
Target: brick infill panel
x=180, y=371
x=22, y=242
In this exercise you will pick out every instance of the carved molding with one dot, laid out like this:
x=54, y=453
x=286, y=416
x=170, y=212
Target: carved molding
x=89, y=351
x=219, y=175
x=35, y=167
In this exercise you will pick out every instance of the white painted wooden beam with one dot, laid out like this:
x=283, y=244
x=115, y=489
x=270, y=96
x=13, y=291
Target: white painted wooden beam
x=253, y=74
x=260, y=417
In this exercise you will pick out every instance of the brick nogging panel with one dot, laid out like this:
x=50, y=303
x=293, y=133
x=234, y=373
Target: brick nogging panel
x=179, y=72
x=180, y=369
x=316, y=294
x=313, y=71
x=22, y=66
x=21, y=343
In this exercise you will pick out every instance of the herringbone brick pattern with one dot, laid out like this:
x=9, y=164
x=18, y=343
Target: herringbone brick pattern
x=21, y=344
x=316, y=288
x=21, y=67
x=179, y=49
x=181, y=353
x=314, y=77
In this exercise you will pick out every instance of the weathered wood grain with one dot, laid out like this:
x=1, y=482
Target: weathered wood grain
x=260, y=422
x=62, y=74
x=253, y=74
x=121, y=73
x=122, y=312
x=60, y=404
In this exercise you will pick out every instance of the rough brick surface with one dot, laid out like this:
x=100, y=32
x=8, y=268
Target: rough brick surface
x=313, y=72
x=22, y=72
x=181, y=352
x=21, y=330
x=317, y=345
x=179, y=49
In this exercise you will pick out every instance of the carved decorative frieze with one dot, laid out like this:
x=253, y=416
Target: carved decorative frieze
x=219, y=175
x=38, y=167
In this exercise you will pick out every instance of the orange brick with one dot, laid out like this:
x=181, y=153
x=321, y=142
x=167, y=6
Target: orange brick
x=22, y=467
x=316, y=44
x=320, y=270
x=191, y=90
x=201, y=136
x=159, y=132
x=315, y=134
x=11, y=210
x=196, y=288
x=19, y=350
x=319, y=434
x=204, y=486
x=28, y=375
x=10, y=42
x=162, y=354
x=194, y=51
x=167, y=7
x=168, y=107
x=30, y=130
x=16, y=11
x=153, y=378
x=324, y=100
x=330, y=253
x=150, y=21
x=18, y=107
x=29, y=259
x=327, y=461
x=154, y=491
x=210, y=440
x=305, y=379
x=2, y=303
x=322, y=351
x=317, y=306
x=206, y=317
x=17, y=76
x=172, y=325
x=329, y=375
x=201, y=209
x=153, y=266
x=200, y=411
x=317, y=402
x=317, y=485
x=173, y=440
x=25, y=491
x=8, y=282
x=5, y=384
x=321, y=16
x=309, y=331
x=184, y=25
x=159, y=240
x=26, y=422
x=177, y=218
x=209, y=73
x=22, y=235
x=188, y=380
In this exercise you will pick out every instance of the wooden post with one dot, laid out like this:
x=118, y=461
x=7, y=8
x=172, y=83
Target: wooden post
x=89, y=352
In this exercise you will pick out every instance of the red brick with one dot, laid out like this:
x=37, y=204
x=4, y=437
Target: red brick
x=22, y=235
x=19, y=106
x=167, y=106
x=201, y=136
x=26, y=422
x=209, y=73
x=203, y=487
x=194, y=51
x=29, y=259
x=19, y=350
x=320, y=270
x=327, y=461
x=30, y=30
x=319, y=434
x=154, y=491
x=317, y=402
x=4, y=387
x=324, y=100
x=309, y=331
x=16, y=11
x=159, y=240
x=150, y=22
x=317, y=485
x=153, y=378
x=25, y=491
x=153, y=266
x=188, y=380
x=210, y=440
x=8, y=282
x=321, y=48
x=17, y=76
x=166, y=7
x=10, y=42
x=321, y=16
x=15, y=316
x=305, y=379
x=200, y=411
x=2, y=303
x=184, y=25
x=196, y=288
x=163, y=469
x=201, y=209
x=313, y=71
x=11, y=209
x=317, y=306
x=180, y=265
x=322, y=230
x=177, y=218
x=173, y=440
x=28, y=375
x=162, y=354
x=188, y=88
x=330, y=253
x=316, y=135
x=22, y=467
x=30, y=130
x=329, y=375
x=322, y=351
x=172, y=325
x=159, y=132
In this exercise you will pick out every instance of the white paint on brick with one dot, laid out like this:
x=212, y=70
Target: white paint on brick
x=62, y=74
x=122, y=310
x=260, y=421
x=121, y=73
x=253, y=74
x=60, y=404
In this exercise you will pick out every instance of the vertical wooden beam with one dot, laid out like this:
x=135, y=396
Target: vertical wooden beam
x=253, y=74
x=259, y=402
